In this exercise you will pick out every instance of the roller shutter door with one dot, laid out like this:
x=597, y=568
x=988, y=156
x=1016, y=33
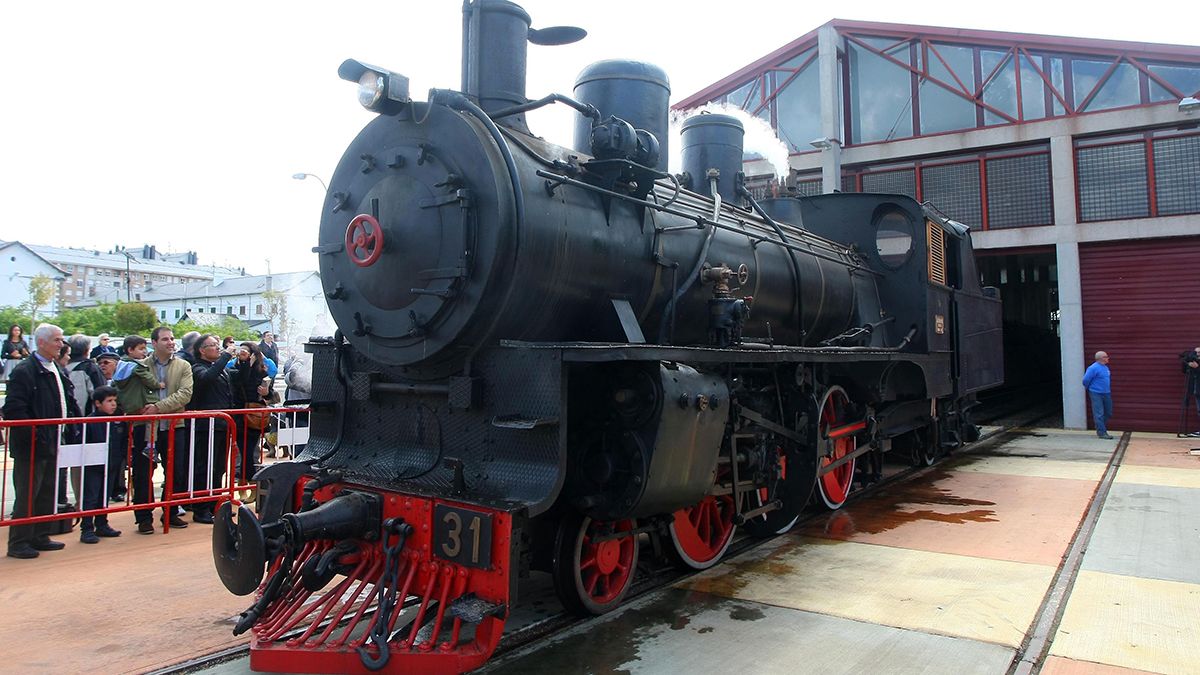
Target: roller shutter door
x=1141, y=304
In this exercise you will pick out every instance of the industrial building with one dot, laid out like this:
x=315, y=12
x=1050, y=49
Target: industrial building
x=1076, y=163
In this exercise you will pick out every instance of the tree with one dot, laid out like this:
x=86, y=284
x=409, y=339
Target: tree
x=41, y=292
x=11, y=315
x=89, y=320
x=135, y=318
x=277, y=314
x=228, y=325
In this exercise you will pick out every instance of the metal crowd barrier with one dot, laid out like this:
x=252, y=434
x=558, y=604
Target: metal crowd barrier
x=290, y=430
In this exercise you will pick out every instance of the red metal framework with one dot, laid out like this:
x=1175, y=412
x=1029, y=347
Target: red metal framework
x=915, y=48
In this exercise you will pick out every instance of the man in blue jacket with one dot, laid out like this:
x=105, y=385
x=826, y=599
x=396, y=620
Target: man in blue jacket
x=1098, y=382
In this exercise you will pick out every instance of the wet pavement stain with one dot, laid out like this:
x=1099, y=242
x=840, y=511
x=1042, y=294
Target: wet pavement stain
x=897, y=505
x=610, y=646
x=746, y=614
x=735, y=575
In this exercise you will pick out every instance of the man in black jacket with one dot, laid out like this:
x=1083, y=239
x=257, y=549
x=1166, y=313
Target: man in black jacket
x=37, y=389
x=210, y=391
x=268, y=348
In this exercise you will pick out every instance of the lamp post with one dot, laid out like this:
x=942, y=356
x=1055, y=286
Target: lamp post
x=302, y=176
x=128, y=280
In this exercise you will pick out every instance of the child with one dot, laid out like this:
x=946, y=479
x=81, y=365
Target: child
x=137, y=386
x=104, y=408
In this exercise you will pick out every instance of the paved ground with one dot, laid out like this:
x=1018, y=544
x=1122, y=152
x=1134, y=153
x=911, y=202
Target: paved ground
x=943, y=574
x=125, y=605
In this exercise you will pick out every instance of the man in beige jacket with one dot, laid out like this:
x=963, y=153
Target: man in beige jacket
x=170, y=440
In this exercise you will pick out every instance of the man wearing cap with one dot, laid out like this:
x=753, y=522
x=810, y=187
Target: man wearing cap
x=108, y=365
x=102, y=347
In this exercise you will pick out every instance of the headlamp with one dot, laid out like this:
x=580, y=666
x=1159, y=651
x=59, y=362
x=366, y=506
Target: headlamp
x=379, y=90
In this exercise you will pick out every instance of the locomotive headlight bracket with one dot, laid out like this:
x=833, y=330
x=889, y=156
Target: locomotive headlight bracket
x=379, y=90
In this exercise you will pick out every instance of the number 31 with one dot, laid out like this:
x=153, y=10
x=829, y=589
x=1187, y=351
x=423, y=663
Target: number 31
x=453, y=545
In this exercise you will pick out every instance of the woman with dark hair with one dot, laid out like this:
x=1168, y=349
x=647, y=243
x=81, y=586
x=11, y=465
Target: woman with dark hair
x=211, y=390
x=251, y=389
x=15, y=349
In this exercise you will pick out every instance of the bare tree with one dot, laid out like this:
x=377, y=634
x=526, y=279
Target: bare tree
x=277, y=314
x=41, y=292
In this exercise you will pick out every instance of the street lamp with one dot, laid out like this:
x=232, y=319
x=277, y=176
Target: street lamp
x=128, y=281
x=302, y=176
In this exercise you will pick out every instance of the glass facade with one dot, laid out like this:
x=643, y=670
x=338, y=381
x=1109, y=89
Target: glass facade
x=881, y=92
x=904, y=86
x=942, y=108
x=798, y=108
x=898, y=85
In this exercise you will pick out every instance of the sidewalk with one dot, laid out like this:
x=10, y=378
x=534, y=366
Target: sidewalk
x=1136, y=602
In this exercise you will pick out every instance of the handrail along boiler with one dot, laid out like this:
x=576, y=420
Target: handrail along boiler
x=548, y=354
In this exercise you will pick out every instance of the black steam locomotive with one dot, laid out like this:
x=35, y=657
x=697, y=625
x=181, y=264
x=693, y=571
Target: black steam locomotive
x=549, y=354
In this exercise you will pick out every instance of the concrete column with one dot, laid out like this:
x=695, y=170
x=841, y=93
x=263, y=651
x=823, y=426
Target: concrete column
x=1070, y=296
x=829, y=74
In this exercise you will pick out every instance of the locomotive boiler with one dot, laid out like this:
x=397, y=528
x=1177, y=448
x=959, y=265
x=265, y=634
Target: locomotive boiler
x=547, y=355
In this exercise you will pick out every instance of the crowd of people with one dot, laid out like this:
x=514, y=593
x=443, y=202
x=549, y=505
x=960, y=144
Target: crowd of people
x=59, y=378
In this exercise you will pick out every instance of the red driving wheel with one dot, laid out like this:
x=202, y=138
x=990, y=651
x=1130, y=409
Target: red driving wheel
x=364, y=240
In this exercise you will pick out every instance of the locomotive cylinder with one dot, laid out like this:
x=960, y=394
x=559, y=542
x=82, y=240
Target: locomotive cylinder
x=636, y=92
x=713, y=142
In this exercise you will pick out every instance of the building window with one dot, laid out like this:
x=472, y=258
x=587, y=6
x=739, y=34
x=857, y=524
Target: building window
x=258, y=309
x=1018, y=191
x=79, y=283
x=116, y=284
x=998, y=189
x=241, y=310
x=228, y=309
x=162, y=313
x=954, y=188
x=1113, y=181
x=176, y=314
x=1176, y=167
x=881, y=92
x=897, y=181
x=212, y=310
x=1155, y=173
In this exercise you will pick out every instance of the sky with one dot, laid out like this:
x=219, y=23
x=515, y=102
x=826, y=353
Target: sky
x=180, y=124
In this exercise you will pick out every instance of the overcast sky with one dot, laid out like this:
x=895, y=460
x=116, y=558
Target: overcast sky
x=181, y=123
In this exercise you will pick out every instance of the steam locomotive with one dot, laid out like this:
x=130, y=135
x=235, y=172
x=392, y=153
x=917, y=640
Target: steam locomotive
x=547, y=355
